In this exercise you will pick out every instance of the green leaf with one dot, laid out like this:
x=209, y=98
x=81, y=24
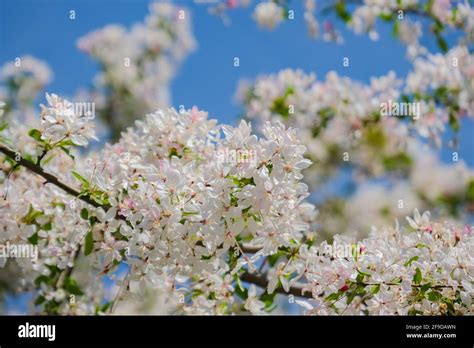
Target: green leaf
x=72, y=287
x=363, y=273
x=67, y=142
x=351, y=297
x=425, y=287
x=434, y=296
x=437, y=27
x=241, y=182
x=375, y=137
x=280, y=106
x=399, y=161
x=48, y=159
x=47, y=226
x=239, y=283
x=66, y=151
x=342, y=12
x=325, y=115
x=375, y=289
x=41, y=279
x=30, y=217
x=84, y=213
x=454, y=122
x=441, y=93
x=442, y=44
x=395, y=29
x=335, y=296
x=454, y=13
x=80, y=178
x=418, y=276
x=240, y=290
x=89, y=243
x=3, y=126
x=92, y=220
x=268, y=299
x=470, y=191
x=173, y=152
x=40, y=300
x=421, y=245
x=35, y=134
x=387, y=17
x=106, y=306
x=411, y=260
x=33, y=239
x=397, y=280
x=272, y=259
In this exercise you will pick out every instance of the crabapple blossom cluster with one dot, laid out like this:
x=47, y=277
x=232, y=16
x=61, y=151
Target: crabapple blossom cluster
x=334, y=116
x=268, y=14
x=47, y=218
x=60, y=123
x=22, y=80
x=449, y=188
x=137, y=65
x=339, y=113
x=449, y=78
x=342, y=124
x=184, y=211
x=182, y=229
x=442, y=17
x=191, y=227
x=164, y=204
x=426, y=268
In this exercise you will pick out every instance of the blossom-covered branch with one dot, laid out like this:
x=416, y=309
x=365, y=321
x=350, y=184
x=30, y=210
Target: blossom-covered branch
x=50, y=178
x=212, y=219
x=180, y=184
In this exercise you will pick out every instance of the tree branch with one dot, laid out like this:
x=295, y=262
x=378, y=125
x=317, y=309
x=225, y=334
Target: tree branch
x=49, y=177
x=250, y=249
x=68, y=270
x=261, y=281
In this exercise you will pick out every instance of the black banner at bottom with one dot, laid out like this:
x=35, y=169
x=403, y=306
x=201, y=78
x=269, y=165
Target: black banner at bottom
x=197, y=330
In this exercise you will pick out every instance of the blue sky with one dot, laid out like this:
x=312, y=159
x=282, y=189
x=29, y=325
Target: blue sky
x=43, y=28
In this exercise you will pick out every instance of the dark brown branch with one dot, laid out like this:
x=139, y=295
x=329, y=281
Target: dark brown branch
x=49, y=177
x=250, y=249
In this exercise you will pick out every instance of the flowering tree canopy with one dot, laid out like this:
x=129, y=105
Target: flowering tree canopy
x=189, y=216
